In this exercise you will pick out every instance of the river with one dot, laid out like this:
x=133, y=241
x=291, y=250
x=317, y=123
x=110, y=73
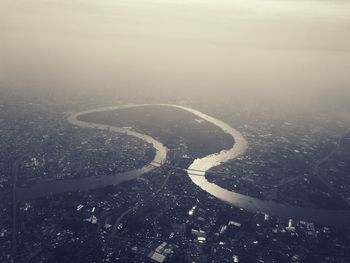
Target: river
x=196, y=172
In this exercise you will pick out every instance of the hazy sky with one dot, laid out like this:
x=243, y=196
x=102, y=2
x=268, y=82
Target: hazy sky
x=276, y=49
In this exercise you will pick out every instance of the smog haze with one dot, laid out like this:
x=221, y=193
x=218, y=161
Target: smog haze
x=257, y=50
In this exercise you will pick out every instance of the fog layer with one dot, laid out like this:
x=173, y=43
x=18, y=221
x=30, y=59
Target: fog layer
x=273, y=51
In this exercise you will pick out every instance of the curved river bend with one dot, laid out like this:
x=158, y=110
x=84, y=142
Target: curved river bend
x=196, y=172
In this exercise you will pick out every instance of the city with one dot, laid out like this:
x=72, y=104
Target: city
x=162, y=216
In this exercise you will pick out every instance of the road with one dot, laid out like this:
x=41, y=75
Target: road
x=14, y=209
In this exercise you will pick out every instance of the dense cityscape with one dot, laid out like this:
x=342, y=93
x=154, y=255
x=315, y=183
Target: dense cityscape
x=162, y=216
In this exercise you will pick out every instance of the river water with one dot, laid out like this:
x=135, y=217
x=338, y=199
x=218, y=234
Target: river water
x=196, y=172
